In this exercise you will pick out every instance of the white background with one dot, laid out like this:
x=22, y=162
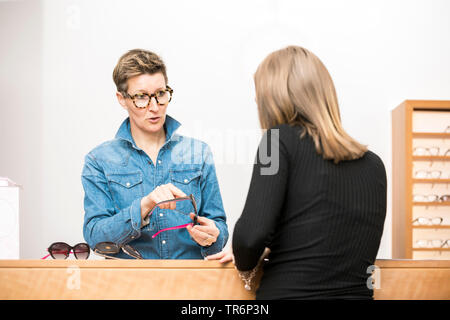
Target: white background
x=58, y=97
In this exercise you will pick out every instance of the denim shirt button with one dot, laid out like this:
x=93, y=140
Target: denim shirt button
x=161, y=214
x=159, y=161
x=186, y=180
x=163, y=242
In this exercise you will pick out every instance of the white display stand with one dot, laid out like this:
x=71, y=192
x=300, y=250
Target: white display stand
x=9, y=219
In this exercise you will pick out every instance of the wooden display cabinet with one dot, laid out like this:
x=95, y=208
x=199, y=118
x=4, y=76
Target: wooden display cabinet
x=420, y=170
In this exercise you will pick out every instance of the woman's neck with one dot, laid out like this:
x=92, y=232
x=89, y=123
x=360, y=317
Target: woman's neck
x=150, y=143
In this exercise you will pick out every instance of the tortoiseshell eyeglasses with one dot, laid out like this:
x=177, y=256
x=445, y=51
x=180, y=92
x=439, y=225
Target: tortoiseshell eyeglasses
x=142, y=100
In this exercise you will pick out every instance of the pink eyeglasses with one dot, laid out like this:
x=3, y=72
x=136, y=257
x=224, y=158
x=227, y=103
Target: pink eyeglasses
x=186, y=211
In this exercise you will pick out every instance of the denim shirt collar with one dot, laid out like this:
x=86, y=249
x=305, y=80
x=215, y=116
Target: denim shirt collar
x=124, y=132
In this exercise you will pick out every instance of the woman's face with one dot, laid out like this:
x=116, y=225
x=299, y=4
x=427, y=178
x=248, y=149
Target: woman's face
x=151, y=119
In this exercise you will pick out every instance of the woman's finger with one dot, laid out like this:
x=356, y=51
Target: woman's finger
x=223, y=256
x=200, y=237
x=175, y=191
x=216, y=256
x=168, y=196
x=227, y=258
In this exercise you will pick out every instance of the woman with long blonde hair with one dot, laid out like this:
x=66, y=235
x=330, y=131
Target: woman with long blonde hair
x=321, y=210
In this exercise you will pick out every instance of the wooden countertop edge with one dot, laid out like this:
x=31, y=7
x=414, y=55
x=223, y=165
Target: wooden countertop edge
x=155, y=264
x=399, y=263
x=190, y=264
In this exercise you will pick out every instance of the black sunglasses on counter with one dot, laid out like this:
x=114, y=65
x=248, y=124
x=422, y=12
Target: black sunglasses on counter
x=61, y=251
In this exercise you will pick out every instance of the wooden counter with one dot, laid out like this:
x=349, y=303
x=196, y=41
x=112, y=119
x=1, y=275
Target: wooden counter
x=188, y=279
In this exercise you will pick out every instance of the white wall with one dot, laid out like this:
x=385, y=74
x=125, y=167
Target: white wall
x=378, y=52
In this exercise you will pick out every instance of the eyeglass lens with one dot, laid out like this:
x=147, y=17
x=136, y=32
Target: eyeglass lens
x=61, y=250
x=143, y=100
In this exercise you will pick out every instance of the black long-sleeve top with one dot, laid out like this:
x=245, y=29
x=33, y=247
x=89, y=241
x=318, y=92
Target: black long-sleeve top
x=322, y=221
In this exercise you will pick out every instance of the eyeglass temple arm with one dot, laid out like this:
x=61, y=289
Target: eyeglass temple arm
x=129, y=250
x=165, y=201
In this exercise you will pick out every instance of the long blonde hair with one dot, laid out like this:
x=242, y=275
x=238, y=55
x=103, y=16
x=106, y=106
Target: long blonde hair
x=294, y=87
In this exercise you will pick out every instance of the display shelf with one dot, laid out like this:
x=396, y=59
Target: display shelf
x=431, y=158
x=432, y=204
x=432, y=227
x=431, y=249
x=413, y=120
x=431, y=135
x=433, y=181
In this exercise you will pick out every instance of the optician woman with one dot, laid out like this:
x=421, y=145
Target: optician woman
x=321, y=213
x=146, y=163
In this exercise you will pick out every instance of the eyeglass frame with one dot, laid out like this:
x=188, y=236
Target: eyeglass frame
x=126, y=248
x=428, y=173
x=443, y=243
x=428, y=150
x=194, y=204
x=71, y=249
x=437, y=197
x=442, y=198
x=429, y=220
x=150, y=96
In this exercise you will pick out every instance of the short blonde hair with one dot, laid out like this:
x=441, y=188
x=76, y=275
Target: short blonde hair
x=294, y=87
x=136, y=62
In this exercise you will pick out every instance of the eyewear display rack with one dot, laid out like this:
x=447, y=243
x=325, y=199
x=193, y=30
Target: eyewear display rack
x=417, y=127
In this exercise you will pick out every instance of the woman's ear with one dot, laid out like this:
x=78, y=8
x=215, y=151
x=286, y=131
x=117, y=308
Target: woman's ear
x=121, y=100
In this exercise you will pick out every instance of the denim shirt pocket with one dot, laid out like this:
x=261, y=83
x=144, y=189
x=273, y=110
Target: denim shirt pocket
x=187, y=181
x=125, y=188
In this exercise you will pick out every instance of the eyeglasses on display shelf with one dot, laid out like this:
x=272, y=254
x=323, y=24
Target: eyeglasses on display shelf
x=424, y=151
x=447, y=130
x=432, y=244
x=425, y=174
x=61, y=251
x=421, y=201
x=422, y=221
x=431, y=198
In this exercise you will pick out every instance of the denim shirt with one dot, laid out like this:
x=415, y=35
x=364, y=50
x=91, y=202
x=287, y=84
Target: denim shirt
x=117, y=174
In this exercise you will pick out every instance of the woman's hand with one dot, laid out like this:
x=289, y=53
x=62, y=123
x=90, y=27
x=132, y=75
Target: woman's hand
x=204, y=234
x=160, y=193
x=223, y=256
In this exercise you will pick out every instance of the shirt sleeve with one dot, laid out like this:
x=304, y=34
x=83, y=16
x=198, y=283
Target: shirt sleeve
x=102, y=220
x=211, y=205
x=264, y=202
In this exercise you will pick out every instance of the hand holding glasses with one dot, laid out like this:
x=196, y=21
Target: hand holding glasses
x=109, y=249
x=188, y=206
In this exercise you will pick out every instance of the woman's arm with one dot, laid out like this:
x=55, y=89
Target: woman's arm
x=211, y=205
x=102, y=221
x=264, y=202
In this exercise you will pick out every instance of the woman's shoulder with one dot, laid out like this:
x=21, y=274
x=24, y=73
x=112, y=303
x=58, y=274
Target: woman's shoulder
x=373, y=159
x=288, y=135
x=115, y=151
